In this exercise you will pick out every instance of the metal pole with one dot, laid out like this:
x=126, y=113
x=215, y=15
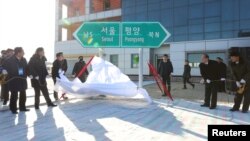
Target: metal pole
x=100, y=52
x=140, y=67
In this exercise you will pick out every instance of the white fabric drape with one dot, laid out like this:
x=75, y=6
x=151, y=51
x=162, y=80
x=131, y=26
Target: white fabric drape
x=104, y=79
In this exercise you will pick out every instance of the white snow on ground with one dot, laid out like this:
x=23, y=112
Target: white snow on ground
x=104, y=119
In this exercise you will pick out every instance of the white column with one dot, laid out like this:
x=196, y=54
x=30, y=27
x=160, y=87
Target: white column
x=87, y=7
x=140, y=67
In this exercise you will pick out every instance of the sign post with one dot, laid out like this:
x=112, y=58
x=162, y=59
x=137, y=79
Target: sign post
x=122, y=35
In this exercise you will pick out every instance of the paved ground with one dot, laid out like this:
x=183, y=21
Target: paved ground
x=116, y=119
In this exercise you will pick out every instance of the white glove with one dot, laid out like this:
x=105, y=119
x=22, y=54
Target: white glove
x=208, y=81
x=47, y=76
x=37, y=77
x=31, y=77
x=242, y=81
x=202, y=81
x=4, y=72
x=238, y=84
x=60, y=71
x=222, y=79
x=73, y=76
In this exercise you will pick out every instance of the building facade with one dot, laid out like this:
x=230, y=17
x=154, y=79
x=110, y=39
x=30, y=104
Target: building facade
x=196, y=26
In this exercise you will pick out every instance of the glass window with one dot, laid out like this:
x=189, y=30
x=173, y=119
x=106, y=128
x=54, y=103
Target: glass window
x=212, y=20
x=154, y=15
x=212, y=9
x=134, y=60
x=106, y=4
x=167, y=4
x=154, y=6
x=167, y=17
x=212, y=27
x=180, y=16
x=244, y=24
x=141, y=8
x=129, y=10
x=140, y=2
x=212, y=35
x=195, y=58
x=114, y=59
x=193, y=37
x=178, y=38
x=195, y=1
x=196, y=28
x=227, y=34
x=244, y=9
x=196, y=11
x=180, y=30
x=178, y=3
x=230, y=10
x=196, y=21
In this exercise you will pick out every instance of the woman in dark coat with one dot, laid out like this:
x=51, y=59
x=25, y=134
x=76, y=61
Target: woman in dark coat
x=38, y=73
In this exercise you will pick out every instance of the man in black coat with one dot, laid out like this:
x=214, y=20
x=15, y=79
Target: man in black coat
x=16, y=67
x=241, y=74
x=165, y=69
x=210, y=74
x=60, y=64
x=223, y=73
x=78, y=67
x=38, y=73
x=187, y=75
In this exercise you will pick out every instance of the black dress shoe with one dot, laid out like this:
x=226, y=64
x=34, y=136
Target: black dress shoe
x=14, y=112
x=233, y=110
x=164, y=95
x=184, y=88
x=204, y=105
x=52, y=105
x=244, y=111
x=193, y=86
x=24, y=110
x=37, y=107
x=212, y=108
x=5, y=102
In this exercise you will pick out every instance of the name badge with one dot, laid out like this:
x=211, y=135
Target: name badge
x=20, y=71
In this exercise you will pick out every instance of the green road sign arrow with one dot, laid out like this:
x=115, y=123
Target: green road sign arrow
x=98, y=34
x=143, y=34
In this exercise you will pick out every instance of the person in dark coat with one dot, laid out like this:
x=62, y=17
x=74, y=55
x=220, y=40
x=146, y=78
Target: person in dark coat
x=78, y=67
x=165, y=70
x=60, y=64
x=241, y=74
x=187, y=75
x=223, y=73
x=210, y=74
x=16, y=66
x=38, y=73
x=4, y=87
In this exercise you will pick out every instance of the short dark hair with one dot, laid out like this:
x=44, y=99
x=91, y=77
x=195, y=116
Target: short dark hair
x=235, y=53
x=59, y=54
x=18, y=50
x=80, y=57
x=219, y=58
x=39, y=50
x=9, y=50
x=3, y=52
x=186, y=61
x=165, y=55
x=206, y=55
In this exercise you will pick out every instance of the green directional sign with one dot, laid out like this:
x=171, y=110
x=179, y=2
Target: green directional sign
x=122, y=34
x=143, y=34
x=99, y=34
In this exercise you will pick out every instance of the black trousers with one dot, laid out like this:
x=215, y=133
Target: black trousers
x=4, y=92
x=45, y=93
x=166, y=81
x=238, y=99
x=13, y=100
x=55, y=93
x=186, y=80
x=221, y=86
x=211, y=94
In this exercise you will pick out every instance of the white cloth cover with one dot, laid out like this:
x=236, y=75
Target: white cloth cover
x=104, y=79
